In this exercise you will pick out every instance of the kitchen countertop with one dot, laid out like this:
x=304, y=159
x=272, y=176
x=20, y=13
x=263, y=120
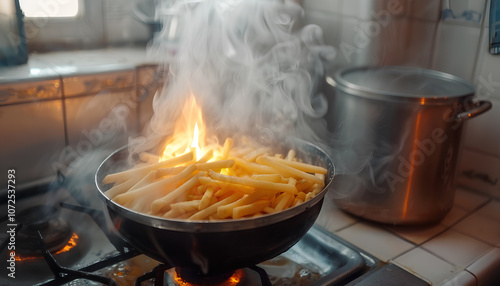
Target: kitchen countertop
x=463, y=249
x=73, y=63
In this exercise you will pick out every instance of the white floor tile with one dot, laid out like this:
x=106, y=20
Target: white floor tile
x=454, y=215
x=463, y=278
x=486, y=268
x=481, y=227
x=457, y=248
x=426, y=265
x=378, y=242
x=418, y=235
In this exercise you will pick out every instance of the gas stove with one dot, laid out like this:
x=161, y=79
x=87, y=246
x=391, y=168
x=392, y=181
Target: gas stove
x=64, y=239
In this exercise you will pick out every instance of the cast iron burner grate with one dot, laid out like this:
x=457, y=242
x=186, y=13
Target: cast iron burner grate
x=41, y=221
x=157, y=274
x=45, y=233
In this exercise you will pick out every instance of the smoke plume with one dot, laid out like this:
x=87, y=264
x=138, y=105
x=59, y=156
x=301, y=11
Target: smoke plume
x=252, y=66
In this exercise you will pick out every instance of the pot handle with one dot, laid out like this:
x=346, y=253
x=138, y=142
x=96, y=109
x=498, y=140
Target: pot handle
x=482, y=106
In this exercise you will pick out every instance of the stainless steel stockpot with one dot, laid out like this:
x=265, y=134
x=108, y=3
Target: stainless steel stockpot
x=397, y=133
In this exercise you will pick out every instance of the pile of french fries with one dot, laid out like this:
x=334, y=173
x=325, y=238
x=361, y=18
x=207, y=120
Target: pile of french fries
x=235, y=183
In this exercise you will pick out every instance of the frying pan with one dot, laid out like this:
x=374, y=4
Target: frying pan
x=216, y=247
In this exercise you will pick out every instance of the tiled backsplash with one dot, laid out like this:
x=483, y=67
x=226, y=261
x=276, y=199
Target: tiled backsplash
x=450, y=36
x=61, y=106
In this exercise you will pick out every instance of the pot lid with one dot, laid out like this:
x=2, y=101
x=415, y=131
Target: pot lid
x=402, y=83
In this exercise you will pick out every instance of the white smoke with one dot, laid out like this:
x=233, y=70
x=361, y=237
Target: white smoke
x=251, y=65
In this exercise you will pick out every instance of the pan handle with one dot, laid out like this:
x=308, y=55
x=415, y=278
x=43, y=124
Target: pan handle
x=481, y=107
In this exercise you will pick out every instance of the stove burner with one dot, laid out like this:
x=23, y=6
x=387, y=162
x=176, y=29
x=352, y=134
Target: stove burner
x=192, y=277
x=56, y=231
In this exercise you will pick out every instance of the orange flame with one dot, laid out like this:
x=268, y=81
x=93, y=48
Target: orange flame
x=189, y=132
x=231, y=281
x=72, y=242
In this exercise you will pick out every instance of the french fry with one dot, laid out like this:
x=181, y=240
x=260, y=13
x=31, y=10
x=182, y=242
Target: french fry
x=213, y=208
x=308, y=168
x=161, y=186
x=256, y=153
x=286, y=199
x=290, y=155
x=303, y=185
x=226, y=185
x=252, y=208
x=207, y=196
x=253, y=167
x=120, y=188
x=227, y=210
x=240, y=151
x=275, y=178
x=208, y=155
x=269, y=210
x=253, y=183
x=228, y=143
x=149, y=158
x=297, y=201
x=215, y=165
x=148, y=179
x=186, y=206
x=163, y=204
x=287, y=170
x=163, y=172
x=141, y=172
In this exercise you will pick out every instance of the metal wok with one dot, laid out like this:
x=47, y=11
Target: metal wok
x=215, y=247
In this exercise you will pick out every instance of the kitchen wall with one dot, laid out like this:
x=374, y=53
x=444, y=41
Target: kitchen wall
x=450, y=36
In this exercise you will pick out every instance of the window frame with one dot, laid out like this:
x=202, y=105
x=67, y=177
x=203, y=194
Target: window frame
x=84, y=31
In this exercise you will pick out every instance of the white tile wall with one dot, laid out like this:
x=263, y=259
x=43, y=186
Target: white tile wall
x=331, y=25
x=469, y=201
x=328, y=6
x=451, y=43
x=462, y=49
x=427, y=10
x=479, y=171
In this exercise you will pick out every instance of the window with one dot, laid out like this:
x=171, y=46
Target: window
x=56, y=25
x=52, y=25
x=49, y=8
